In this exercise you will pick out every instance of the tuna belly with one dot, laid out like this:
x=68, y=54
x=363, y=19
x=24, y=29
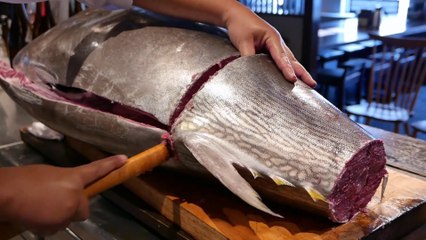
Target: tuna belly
x=108, y=125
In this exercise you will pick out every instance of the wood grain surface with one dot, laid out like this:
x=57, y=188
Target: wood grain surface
x=200, y=208
x=209, y=211
x=403, y=152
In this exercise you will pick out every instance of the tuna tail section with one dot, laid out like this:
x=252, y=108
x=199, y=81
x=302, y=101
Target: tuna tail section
x=219, y=159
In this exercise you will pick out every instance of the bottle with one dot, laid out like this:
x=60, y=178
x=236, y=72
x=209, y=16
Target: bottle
x=4, y=51
x=4, y=28
x=18, y=30
x=43, y=20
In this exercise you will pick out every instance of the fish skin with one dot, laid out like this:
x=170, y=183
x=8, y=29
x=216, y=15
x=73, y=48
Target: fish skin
x=112, y=132
x=230, y=107
x=247, y=126
x=276, y=127
x=177, y=47
x=98, y=72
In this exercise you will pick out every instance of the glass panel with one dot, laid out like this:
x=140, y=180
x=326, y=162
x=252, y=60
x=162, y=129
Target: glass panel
x=276, y=7
x=388, y=6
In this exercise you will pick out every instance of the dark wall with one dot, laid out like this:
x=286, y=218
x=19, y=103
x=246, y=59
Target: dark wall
x=290, y=28
x=330, y=6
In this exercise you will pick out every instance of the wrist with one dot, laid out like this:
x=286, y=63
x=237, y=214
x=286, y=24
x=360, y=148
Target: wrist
x=235, y=8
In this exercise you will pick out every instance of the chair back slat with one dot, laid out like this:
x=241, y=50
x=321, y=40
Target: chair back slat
x=370, y=90
x=419, y=77
x=394, y=81
x=387, y=91
x=406, y=81
x=414, y=81
x=398, y=70
x=379, y=80
x=399, y=94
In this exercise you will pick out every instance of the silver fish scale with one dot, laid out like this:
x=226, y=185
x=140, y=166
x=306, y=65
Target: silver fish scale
x=165, y=64
x=51, y=65
x=159, y=62
x=125, y=137
x=244, y=105
x=246, y=114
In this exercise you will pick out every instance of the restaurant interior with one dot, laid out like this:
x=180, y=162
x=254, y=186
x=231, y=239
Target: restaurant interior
x=334, y=40
x=337, y=41
x=369, y=60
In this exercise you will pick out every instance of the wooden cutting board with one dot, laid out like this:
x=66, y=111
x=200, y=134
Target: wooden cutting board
x=209, y=211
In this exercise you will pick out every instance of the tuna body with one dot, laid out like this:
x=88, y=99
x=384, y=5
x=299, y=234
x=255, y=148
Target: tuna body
x=124, y=81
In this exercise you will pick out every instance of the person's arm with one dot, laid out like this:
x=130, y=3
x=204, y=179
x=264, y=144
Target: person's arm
x=248, y=32
x=45, y=199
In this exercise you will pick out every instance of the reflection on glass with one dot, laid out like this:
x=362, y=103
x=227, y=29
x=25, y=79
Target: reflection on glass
x=351, y=30
x=277, y=7
x=395, y=23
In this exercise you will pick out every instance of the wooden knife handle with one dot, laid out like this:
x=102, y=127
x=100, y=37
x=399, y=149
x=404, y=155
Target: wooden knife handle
x=134, y=166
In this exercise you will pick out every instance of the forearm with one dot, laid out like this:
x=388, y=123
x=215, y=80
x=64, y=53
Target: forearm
x=207, y=11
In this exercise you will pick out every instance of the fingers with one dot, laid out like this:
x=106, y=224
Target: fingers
x=246, y=48
x=303, y=74
x=300, y=71
x=287, y=63
x=95, y=170
x=279, y=55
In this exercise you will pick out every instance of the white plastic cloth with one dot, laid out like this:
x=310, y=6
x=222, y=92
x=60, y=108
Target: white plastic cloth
x=40, y=130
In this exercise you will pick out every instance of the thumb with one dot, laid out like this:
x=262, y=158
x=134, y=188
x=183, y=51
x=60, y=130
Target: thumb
x=97, y=169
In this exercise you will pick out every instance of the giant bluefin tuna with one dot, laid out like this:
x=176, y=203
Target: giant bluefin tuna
x=125, y=81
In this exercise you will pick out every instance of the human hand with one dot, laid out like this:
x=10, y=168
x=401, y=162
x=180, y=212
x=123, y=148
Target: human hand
x=249, y=33
x=45, y=199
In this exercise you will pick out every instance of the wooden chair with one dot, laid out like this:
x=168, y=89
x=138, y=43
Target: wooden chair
x=398, y=71
x=341, y=79
x=419, y=126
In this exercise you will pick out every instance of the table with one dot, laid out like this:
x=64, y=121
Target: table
x=208, y=211
x=344, y=31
